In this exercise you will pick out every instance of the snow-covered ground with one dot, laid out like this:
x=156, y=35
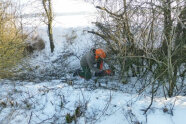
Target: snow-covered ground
x=49, y=102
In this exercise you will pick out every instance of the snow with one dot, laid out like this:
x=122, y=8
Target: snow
x=49, y=101
x=103, y=106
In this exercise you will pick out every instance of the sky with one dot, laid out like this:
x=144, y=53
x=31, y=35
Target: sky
x=72, y=6
x=68, y=13
x=73, y=13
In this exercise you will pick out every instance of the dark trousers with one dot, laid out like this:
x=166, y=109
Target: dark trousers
x=86, y=73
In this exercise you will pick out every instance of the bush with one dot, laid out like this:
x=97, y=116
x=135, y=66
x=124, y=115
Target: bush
x=11, y=41
x=152, y=52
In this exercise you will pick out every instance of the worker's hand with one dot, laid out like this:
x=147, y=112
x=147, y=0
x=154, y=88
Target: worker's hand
x=109, y=72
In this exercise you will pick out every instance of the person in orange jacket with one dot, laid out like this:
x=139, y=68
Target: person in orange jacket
x=88, y=61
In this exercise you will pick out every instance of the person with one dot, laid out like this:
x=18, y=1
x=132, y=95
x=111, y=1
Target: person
x=88, y=61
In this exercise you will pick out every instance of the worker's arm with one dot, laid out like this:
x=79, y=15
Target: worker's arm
x=90, y=62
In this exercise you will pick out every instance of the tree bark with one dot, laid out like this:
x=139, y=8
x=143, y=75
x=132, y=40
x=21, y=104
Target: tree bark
x=49, y=14
x=167, y=25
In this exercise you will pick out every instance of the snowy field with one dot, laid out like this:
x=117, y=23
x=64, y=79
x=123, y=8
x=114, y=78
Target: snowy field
x=49, y=102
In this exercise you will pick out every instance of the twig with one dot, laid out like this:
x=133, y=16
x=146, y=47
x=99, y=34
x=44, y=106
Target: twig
x=30, y=118
x=105, y=108
x=152, y=98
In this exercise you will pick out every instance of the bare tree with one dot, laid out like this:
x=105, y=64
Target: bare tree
x=47, y=4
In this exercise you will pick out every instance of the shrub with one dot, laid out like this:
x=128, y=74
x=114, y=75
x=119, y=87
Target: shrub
x=11, y=41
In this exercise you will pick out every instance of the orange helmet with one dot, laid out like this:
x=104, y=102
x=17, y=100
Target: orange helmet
x=100, y=53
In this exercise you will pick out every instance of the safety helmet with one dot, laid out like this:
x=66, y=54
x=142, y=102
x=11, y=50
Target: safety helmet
x=99, y=53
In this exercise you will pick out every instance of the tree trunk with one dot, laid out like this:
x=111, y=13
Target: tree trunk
x=167, y=25
x=50, y=33
x=167, y=44
x=49, y=14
